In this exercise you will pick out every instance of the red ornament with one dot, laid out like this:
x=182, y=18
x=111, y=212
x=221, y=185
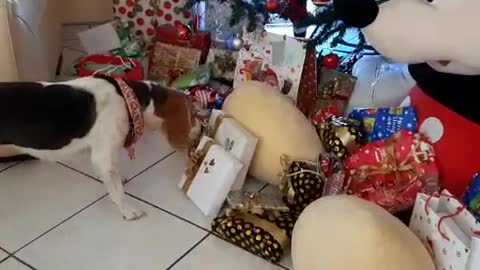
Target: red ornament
x=272, y=6
x=331, y=61
x=183, y=31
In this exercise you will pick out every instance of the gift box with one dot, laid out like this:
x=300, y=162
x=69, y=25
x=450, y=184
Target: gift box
x=391, y=172
x=305, y=181
x=381, y=123
x=210, y=175
x=266, y=234
x=168, y=62
x=340, y=136
x=113, y=66
x=333, y=92
x=201, y=41
x=223, y=63
x=235, y=139
x=143, y=16
x=274, y=59
x=471, y=197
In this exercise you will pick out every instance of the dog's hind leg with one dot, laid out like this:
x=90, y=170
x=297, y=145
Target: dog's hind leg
x=105, y=159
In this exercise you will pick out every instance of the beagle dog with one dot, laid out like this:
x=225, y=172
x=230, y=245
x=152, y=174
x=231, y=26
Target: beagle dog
x=52, y=120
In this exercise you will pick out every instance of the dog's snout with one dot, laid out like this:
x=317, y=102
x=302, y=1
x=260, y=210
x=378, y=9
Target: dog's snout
x=356, y=13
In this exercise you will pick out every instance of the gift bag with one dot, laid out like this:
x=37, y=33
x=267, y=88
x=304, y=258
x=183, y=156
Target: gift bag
x=333, y=92
x=392, y=172
x=169, y=62
x=235, y=139
x=308, y=83
x=471, y=197
x=210, y=175
x=448, y=230
x=145, y=15
x=223, y=63
x=274, y=59
x=381, y=123
x=114, y=66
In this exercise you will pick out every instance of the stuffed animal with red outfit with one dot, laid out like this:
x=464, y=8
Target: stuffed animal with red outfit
x=440, y=41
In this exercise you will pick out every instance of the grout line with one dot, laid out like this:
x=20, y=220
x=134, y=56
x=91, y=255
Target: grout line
x=149, y=167
x=80, y=172
x=188, y=251
x=62, y=222
x=6, y=258
x=168, y=212
x=24, y=263
x=11, y=166
x=4, y=250
x=262, y=188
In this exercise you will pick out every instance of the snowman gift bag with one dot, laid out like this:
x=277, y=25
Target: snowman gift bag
x=274, y=59
x=448, y=230
x=210, y=175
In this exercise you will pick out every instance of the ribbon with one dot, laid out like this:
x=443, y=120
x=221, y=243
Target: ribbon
x=194, y=163
x=340, y=126
x=390, y=164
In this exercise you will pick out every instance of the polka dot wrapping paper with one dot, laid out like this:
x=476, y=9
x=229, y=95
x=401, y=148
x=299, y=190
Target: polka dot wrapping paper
x=392, y=172
x=145, y=15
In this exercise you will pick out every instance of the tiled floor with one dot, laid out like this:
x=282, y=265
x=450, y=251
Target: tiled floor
x=57, y=217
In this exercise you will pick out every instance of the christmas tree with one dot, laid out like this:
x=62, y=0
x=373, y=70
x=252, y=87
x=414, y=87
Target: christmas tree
x=329, y=32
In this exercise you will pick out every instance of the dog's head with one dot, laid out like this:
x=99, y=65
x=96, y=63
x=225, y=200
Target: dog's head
x=174, y=113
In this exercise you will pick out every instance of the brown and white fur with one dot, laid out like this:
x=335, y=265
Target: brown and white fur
x=93, y=116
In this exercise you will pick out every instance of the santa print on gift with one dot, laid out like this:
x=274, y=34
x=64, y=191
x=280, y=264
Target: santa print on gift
x=145, y=15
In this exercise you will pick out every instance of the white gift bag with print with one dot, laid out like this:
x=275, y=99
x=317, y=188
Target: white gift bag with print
x=235, y=139
x=210, y=176
x=448, y=231
x=274, y=59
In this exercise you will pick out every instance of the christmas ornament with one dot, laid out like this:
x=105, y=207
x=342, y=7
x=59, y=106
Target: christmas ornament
x=331, y=61
x=183, y=31
x=237, y=42
x=272, y=6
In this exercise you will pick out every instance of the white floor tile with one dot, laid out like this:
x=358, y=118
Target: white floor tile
x=151, y=148
x=159, y=186
x=98, y=239
x=13, y=264
x=3, y=166
x=219, y=255
x=35, y=196
x=3, y=255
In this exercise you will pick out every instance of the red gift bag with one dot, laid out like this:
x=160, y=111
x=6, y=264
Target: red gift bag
x=392, y=172
x=202, y=41
x=133, y=68
x=308, y=83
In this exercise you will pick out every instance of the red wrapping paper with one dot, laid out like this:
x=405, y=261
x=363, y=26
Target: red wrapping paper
x=391, y=172
x=202, y=41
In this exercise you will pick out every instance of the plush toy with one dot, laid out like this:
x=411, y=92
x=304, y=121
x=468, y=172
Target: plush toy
x=440, y=39
x=280, y=127
x=345, y=232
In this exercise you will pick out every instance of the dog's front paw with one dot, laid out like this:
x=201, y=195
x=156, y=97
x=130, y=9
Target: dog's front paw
x=131, y=213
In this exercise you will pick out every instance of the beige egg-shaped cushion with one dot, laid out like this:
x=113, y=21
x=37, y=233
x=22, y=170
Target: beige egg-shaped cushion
x=345, y=232
x=279, y=126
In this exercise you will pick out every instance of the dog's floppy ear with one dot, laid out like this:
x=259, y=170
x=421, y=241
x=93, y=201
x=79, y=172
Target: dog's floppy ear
x=175, y=108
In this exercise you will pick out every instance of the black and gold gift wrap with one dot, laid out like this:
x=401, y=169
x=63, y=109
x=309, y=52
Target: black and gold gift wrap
x=341, y=136
x=266, y=234
x=302, y=183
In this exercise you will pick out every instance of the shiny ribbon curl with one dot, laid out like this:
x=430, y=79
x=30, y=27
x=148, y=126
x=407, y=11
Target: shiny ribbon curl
x=340, y=127
x=194, y=164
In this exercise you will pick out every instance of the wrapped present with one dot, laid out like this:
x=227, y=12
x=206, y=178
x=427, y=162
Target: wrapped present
x=256, y=202
x=308, y=83
x=201, y=41
x=274, y=59
x=266, y=234
x=471, y=197
x=235, y=139
x=168, y=62
x=391, y=172
x=306, y=181
x=144, y=16
x=210, y=175
x=340, y=136
x=381, y=123
x=192, y=78
x=223, y=63
x=333, y=92
x=114, y=66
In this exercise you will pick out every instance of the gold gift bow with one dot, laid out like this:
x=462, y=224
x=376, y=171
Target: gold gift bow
x=251, y=205
x=286, y=178
x=278, y=233
x=365, y=171
x=341, y=132
x=194, y=163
